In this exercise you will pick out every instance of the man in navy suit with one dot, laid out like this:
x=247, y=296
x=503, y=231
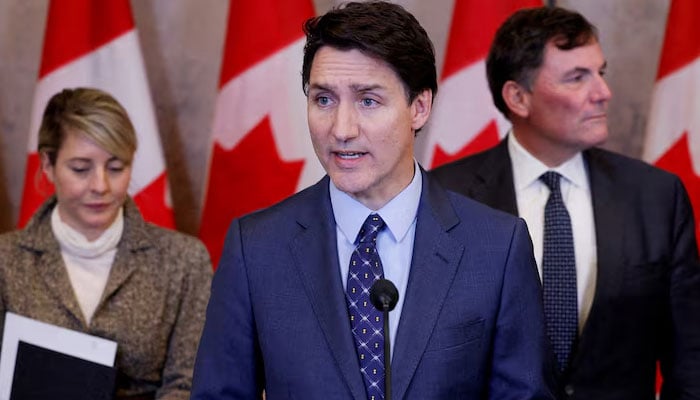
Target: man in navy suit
x=636, y=259
x=468, y=323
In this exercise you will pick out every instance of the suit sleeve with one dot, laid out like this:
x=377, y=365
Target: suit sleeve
x=521, y=367
x=182, y=346
x=680, y=361
x=229, y=365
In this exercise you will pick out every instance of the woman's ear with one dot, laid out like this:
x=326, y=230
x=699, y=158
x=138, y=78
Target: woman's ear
x=46, y=166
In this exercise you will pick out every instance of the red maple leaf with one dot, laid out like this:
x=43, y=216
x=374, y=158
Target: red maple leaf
x=487, y=138
x=244, y=179
x=679, y=161
x=151, y=202
x=37, y=188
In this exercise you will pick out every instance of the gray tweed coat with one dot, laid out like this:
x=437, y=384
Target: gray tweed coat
x=153, y=305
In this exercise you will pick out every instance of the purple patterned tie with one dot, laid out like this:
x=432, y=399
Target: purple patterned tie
x=559, y=273
x=366, y=321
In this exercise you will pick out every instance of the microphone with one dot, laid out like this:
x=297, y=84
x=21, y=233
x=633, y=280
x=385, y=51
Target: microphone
x=384, y=296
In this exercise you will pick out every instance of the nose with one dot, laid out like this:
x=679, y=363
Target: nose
x=99, y=181
x=601, y=92
x=345, y=125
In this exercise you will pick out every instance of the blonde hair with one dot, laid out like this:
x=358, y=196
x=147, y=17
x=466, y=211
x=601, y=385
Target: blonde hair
x=89, y=112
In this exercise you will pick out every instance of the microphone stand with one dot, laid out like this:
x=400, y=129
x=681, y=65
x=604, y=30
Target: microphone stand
x=387, y=355
x=384, y=296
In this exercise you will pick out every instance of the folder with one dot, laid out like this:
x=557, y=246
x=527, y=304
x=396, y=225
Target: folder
x=38, y=358
x=43, y=374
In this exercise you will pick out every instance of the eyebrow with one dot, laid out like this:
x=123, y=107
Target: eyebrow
x=585, y=69
x=358, y=88
x=90, y=160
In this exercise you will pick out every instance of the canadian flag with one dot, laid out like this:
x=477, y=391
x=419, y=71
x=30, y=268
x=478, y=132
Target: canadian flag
x=464, y=119
x=94, y=44
x=673, y=128
x=261, y=150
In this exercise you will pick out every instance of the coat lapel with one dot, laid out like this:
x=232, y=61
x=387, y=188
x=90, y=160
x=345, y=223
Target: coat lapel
x=316, y=257
x=608, y=214
x=52, y=269
x=130, y=252
x=436, y=256
x=494, y=180
x=40, y=240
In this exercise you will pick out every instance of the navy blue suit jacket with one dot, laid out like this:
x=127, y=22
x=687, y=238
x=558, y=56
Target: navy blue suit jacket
x=646, y=305
x=471, y=326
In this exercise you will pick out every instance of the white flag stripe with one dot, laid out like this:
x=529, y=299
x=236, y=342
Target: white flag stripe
x=463, y=108
x=271, y=88
x=675, y=110
x=118, y=69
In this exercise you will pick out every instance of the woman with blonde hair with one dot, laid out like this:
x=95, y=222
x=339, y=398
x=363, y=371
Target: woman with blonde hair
x=88, y=261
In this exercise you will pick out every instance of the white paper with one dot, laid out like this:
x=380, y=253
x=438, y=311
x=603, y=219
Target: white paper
x=52, y=337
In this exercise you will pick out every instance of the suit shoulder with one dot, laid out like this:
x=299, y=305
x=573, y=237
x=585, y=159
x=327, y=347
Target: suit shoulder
x=463, y=165
x=10, y=243
x=172, y=243
x=628, y=170
x=284, y=215
x=476, y=213
x=171, y=236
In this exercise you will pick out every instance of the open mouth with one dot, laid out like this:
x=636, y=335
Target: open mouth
x=349, y=155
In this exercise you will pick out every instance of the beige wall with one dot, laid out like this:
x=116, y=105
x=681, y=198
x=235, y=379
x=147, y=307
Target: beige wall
x=182, y=42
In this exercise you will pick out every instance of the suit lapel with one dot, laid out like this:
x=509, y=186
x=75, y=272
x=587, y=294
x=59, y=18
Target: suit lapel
x=130, y=252
x=316, y=257
x=52, y=269
x=608, y=214
x=436, y=256
x=40, y=240
x=493, y=184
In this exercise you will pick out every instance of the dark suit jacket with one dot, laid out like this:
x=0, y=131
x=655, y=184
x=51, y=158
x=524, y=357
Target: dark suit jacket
x=647, y=300
x=471, y=326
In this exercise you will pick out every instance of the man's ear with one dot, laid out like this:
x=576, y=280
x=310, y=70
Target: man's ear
x=517, y=98
x=420, y=109
x=46, y=166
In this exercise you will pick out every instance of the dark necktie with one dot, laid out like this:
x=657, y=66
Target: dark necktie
x=366, y=321
x=559, y=273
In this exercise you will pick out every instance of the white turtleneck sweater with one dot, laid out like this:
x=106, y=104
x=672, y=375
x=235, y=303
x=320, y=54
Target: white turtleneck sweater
x=88, y=262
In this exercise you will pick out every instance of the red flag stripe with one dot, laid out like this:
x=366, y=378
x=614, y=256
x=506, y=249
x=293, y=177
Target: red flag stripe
x=474, y=24
x=75, y=28
x=682, y=39
x=257, y=29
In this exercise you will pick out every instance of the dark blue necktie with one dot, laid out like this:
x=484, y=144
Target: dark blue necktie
x=559, y=273
x=366, y=321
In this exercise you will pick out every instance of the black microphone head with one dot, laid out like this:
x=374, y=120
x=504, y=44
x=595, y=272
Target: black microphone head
x=383, y=295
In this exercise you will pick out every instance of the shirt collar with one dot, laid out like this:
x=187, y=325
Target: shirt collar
x=398, y=214
x=528, y=169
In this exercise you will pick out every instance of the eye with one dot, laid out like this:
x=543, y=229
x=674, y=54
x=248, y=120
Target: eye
x=116, y=167
x=323, y=100
x=367, y=102
x=79, y=170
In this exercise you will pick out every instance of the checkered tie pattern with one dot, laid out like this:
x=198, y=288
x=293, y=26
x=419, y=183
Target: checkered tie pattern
x=559, y=273
x=367, y=322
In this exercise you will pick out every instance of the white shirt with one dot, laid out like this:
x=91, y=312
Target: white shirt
x=532, y=195
x=88, y=263
x=394, y=243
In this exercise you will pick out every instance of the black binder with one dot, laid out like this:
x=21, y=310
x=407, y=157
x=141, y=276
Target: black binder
x=43, y=374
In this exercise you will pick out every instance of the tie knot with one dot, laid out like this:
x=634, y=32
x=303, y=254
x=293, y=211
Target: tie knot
x=551, y=179
x=371, y=228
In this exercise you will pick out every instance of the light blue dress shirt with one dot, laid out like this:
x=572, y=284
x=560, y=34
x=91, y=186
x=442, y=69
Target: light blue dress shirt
x=394, y=244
